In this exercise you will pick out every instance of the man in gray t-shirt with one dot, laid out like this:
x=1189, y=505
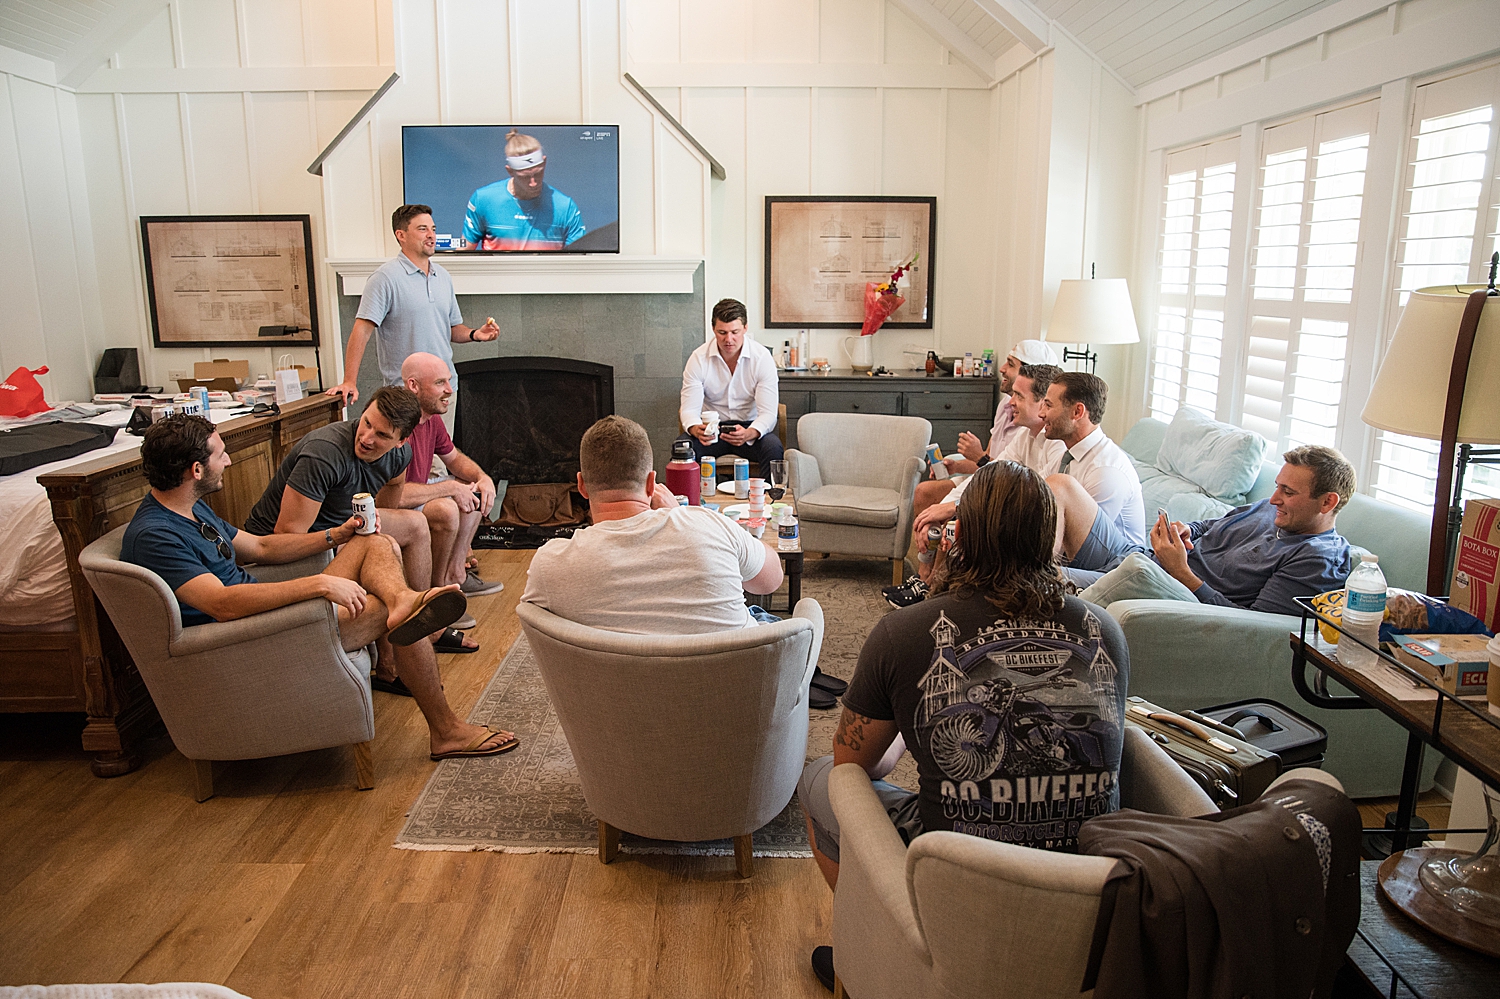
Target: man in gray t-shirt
x=409, y=306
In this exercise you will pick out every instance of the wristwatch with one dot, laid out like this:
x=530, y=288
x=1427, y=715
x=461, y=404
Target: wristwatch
x=328, y=536
x=984, y=460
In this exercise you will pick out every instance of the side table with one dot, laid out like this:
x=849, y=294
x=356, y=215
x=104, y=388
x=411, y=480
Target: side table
x=1392, y=951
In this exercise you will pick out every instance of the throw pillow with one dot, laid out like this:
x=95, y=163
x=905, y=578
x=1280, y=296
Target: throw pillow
x=1221, y=458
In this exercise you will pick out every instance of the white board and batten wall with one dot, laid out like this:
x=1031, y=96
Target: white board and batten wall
x=217, y=106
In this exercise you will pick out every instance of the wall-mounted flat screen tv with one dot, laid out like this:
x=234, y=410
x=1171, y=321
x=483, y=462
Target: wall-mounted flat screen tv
x=516, y=188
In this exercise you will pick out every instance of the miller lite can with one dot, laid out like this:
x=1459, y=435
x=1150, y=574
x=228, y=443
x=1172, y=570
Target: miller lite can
x=364, y=509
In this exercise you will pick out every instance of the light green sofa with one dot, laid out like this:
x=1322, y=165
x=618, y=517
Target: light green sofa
x=1189, y=655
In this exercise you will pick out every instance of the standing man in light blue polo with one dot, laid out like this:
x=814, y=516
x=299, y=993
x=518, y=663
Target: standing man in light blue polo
x=409, y=307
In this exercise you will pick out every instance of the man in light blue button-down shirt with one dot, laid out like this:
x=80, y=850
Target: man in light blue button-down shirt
x=410, y=307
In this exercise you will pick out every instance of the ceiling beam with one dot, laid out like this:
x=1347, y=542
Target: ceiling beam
x=966, y=49
x=1021, y=19
x=104, y=39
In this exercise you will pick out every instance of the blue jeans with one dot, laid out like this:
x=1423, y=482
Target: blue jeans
x=761, y=615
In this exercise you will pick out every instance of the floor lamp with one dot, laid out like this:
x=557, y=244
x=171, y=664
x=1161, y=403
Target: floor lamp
x=1092, y=311
x=1440, y=379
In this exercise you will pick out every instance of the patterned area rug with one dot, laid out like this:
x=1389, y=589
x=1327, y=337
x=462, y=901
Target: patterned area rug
x=529, y=801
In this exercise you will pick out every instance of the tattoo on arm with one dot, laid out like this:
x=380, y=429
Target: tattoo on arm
x=851, y=732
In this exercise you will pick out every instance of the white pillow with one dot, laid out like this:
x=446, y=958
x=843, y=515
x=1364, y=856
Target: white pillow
x=1221, y=459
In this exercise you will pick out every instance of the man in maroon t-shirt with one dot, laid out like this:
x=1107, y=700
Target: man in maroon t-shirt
x=453, y=506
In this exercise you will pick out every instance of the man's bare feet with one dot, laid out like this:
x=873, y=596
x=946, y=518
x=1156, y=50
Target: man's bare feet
x=472, y=740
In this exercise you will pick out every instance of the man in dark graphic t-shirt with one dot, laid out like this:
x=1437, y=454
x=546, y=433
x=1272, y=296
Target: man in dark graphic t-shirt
x=1009, y=695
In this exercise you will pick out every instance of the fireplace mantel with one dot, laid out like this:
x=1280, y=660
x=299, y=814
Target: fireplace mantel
x=556, y=274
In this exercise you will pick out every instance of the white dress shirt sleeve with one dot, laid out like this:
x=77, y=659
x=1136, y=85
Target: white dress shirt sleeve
x=690, y=404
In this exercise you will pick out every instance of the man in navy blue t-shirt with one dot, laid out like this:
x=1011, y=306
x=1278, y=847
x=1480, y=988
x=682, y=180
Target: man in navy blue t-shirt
x=175, y=534
x=1258, y=557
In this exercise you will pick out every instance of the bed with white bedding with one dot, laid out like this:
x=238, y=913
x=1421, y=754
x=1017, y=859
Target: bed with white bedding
x=35, y=594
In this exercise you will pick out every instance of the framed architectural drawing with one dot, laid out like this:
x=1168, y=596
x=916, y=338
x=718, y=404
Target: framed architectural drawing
x=820, y=253
x=216, y=280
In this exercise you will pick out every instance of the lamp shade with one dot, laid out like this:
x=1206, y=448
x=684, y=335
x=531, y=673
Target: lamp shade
x=1411, y=389
x=1093, y=311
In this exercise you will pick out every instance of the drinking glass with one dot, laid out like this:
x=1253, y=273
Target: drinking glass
x=776, y=480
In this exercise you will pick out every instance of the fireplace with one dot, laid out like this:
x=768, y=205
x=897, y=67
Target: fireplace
x=522, y=418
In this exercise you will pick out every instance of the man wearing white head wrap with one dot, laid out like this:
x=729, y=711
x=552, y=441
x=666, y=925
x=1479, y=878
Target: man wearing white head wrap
x=522, y=212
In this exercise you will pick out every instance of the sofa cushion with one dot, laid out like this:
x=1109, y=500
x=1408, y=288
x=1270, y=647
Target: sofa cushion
x=1188, y=507
x=1220, y=459
x=858, y=506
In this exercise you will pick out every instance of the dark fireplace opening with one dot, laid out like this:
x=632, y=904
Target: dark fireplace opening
x=522, y=418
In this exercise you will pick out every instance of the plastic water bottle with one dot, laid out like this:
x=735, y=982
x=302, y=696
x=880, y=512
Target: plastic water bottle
x=1364, y=609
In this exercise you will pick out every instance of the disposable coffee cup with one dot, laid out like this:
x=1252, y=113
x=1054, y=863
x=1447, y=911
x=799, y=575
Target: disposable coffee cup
x=710, y=425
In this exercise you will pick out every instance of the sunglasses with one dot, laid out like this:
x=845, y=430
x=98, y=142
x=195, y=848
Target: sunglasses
x=211, y=533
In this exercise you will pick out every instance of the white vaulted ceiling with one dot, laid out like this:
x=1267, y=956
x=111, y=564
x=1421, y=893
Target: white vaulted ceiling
x=49, y=29
x=1145, y=39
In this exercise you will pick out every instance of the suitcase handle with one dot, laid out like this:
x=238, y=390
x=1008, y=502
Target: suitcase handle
x=1244, y=713
x=1190, y=727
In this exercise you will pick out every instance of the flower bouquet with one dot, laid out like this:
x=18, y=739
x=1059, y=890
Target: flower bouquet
x=881, y=299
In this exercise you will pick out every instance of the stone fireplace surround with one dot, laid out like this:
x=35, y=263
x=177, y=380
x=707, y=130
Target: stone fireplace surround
x=645, y=338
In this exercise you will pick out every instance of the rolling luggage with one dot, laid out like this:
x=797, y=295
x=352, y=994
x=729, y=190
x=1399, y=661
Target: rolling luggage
x=1230, y=770
x=1276, y=728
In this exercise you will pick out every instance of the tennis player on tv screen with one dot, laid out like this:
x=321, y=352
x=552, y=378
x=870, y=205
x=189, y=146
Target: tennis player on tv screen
x=523, y=212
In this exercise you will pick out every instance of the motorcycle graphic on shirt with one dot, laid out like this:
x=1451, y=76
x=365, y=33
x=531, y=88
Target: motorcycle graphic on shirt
x=1022, y=721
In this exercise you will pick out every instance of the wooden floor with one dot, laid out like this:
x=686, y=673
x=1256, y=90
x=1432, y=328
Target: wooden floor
x=286, y=885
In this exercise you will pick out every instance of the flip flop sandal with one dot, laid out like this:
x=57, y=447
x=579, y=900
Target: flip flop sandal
x=437, y=610
x=453, y=641
x=390, y=686
x=472, y=749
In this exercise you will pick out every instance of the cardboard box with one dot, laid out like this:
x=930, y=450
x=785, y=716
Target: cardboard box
x=1476, y=571
x=1460, y=664
x=217, y=375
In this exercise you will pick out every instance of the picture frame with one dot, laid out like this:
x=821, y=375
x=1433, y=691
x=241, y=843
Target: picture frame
x=217, y=280
x=821, y=251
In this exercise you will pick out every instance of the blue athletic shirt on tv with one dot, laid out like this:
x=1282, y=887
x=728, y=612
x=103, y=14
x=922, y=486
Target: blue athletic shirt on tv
x=497, y=221
x=175, y=549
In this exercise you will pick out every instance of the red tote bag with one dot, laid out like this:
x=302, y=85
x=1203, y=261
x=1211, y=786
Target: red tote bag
x=21, y=393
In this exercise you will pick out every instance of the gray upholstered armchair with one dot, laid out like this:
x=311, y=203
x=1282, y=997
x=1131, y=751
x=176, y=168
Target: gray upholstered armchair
x=681, y=737
x=853, y=476
x=265, y=685
x=955, y=915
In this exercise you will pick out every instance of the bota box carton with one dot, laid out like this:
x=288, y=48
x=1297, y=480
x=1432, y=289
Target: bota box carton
x=1460, y=664
x=1476, y=571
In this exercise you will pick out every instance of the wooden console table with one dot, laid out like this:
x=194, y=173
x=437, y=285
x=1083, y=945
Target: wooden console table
x=950, y=404
x=89, y=670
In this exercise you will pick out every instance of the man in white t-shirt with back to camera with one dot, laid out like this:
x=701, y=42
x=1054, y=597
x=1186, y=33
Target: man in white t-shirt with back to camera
x=648, y=566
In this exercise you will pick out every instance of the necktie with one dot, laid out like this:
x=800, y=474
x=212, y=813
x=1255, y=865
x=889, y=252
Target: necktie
x=1067, y=460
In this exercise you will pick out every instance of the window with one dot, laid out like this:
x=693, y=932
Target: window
x=1306, y=247
x=1189, y=329
x=1450, y=184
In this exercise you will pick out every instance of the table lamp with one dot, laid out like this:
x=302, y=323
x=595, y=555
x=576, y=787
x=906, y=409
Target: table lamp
x=1440, y=379
x=1092, y=311
x=1431, y=376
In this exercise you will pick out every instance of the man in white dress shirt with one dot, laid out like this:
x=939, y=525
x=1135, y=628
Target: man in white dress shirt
x=971, y=455
x=1028, y=446
x=734, y=376
x=1072, y=409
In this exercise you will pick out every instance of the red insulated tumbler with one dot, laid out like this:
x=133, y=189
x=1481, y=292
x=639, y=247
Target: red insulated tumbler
x=682, y=473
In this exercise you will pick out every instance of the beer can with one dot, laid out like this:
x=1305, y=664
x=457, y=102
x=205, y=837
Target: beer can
x=162, y=410
x=741, y=478
x=201, y=394
x=682, y=500
x=364, y=509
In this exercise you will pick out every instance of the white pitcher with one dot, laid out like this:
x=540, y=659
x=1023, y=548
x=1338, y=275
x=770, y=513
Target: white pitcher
x=860, y=357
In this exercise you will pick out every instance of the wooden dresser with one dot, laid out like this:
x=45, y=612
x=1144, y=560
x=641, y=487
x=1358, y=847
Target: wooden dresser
x=950, y=404
x=88, y=669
